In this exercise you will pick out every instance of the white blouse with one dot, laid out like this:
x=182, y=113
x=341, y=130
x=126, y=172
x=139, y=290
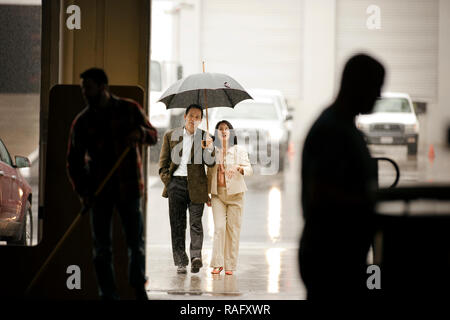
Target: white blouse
x=236, y=156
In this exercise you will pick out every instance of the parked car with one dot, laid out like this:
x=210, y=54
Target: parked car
x=278, y=97
x=392, y=122
x=16, y=220
x=259, y=124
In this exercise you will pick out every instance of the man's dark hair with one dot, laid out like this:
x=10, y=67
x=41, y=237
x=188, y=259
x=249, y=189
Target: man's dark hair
x=232, y=138
x=96, y=74
x=194, y=106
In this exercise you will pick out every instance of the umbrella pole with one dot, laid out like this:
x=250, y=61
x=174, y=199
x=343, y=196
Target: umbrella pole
x=206, y=108
x=206, y=104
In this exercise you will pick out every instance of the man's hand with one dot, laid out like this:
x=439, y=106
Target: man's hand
x=87, y=202
x=240, y=170
x=208, y=143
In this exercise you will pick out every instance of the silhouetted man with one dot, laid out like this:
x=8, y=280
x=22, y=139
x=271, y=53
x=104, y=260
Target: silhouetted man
x=338, y=185
x=99, y=135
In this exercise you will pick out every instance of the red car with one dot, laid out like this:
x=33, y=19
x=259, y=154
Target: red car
x=16, y=220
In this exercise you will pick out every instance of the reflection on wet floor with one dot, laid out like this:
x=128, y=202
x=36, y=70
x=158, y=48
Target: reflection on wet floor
x=273, y=257
x=274, y=213
x=262, y=274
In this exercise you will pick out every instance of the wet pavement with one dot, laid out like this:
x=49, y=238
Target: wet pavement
x=272, y=224
x=271, y=228
x=267, y=265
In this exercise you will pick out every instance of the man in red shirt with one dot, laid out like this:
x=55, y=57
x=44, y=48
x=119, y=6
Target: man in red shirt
x=99, y=135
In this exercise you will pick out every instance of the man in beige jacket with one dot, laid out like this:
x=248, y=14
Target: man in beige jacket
x=182, y=170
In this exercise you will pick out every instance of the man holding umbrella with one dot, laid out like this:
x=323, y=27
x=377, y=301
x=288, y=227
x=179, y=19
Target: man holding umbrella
x=182, y=170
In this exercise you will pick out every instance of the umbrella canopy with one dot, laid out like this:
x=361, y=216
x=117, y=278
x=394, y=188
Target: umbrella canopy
x=221, y=91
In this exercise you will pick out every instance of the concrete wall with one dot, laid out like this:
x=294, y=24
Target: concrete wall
x=439, y=119
x=321, y=74
x=319, y=69
x=105, y=40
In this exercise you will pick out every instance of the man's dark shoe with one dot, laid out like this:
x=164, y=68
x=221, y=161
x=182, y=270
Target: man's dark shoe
x=181, y=269
x=196, y=264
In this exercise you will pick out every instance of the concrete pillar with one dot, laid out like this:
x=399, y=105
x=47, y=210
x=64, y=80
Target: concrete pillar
x=319, y=62
x=440, y=116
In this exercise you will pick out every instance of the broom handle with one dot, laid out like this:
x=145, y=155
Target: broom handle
x=75, y=222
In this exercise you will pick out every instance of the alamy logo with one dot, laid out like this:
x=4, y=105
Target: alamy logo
x=74, y=20
x=263, y=147
x=74, y=280
x=374, y=20
x=374, y=280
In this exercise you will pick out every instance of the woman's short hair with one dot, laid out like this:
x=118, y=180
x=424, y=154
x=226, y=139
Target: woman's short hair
x=233, y=137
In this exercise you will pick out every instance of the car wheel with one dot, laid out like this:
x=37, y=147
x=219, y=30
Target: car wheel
x=26, y=237
x=412, y=149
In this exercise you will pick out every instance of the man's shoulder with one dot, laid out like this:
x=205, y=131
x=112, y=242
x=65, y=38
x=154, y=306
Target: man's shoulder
x=125, y=103
x=81, y=116
x=170, y=132
x=201, y=132
x=327, y=121
x=177, y=129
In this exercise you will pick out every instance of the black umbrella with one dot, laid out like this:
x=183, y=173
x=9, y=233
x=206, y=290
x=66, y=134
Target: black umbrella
x=208, y=90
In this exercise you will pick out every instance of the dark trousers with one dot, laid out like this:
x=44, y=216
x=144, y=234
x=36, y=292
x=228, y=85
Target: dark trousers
x=179, y=202
x=101, y=222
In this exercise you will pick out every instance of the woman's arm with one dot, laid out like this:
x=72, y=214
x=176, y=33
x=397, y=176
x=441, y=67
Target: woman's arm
x=244, y=162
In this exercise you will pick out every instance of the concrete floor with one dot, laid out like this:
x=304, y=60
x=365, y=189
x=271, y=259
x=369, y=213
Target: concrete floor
x=272, y=225
x=267, y=265
x=263, y=273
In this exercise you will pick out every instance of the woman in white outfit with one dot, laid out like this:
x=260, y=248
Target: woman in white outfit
x=227, y=186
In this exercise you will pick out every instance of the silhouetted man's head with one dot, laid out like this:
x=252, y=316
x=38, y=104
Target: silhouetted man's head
x=94, y=85
x=361, y=84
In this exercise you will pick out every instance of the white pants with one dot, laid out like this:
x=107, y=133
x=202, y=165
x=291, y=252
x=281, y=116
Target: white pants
x=227, y=213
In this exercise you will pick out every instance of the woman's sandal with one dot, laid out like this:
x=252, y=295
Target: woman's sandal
x=217, y=270
x=229, y=272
